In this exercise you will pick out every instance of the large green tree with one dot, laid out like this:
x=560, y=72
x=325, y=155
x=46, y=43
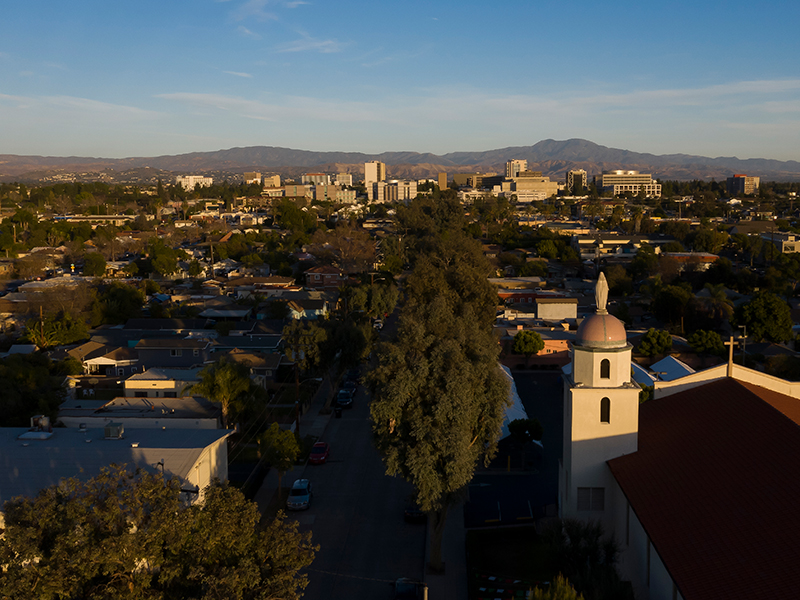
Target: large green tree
x=439, y=395
x=527, y=343
x=655, y=341
x=129, y=535
x=767, y=317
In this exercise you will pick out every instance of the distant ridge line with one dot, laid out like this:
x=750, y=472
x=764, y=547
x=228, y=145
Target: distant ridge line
x=552, y=157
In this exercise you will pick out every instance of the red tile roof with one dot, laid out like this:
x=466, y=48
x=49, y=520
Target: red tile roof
x=716, y=484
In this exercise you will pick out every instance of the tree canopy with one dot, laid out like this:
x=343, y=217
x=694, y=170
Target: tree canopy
x=438, y=393
x=655, y=341
x=226, y=383
x=527, y=343
x=767, y=317
x=130, y=535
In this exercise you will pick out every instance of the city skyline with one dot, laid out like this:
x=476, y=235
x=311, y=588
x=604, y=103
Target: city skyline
x=147, y=79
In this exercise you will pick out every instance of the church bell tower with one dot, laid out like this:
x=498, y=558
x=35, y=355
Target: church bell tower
x=601, y=413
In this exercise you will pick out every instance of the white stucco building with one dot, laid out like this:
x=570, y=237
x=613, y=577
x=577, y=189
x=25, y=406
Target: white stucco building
x=698, y=486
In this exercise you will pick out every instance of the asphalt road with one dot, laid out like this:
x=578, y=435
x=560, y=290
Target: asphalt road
x=356, y=517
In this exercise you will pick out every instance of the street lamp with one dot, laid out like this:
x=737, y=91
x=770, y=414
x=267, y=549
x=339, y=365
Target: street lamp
x=744, y=343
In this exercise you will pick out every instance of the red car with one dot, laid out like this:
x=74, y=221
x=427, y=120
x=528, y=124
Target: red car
x=319, y=453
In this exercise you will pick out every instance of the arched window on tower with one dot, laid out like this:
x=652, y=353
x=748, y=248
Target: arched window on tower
x=605, y=410
x=605, y=369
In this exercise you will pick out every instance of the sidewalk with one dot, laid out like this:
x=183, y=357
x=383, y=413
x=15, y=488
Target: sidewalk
x=453, y=583
x=311, y=423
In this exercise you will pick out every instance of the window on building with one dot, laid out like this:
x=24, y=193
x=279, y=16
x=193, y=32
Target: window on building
x=120, y=372
x=170, y=394
x=140, y=395
x=605, y=410
x=196, y=352
x=176, y=352
x=591, y=499
x=605, y=369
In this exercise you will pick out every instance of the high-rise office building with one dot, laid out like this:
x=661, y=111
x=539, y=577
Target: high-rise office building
x=742, y=184
x=442, y=181
x=577, y=181
x=515, y=166
x=374, y=171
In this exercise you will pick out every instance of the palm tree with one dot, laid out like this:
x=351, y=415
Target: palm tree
x=225, y=383
x=717, y=304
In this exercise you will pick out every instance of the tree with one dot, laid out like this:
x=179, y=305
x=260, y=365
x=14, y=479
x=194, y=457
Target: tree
x=655, y=341
x=438, y=403
x=117, y=303
x=717, y=304
x=128, y=535
x=706, y=342
x=767, y=317
x=280, y=448
x=226, y=383
x=56, y=330
x=670, y=302
x=304, y=342
x=94, y=265
x=527, y=343
x=560, y=589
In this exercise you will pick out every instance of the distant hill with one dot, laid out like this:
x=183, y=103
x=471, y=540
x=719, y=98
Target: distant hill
x=552, y=157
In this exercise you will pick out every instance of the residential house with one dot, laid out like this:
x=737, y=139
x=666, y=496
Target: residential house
x=173, y=353
x=324, y=277
x=41, y=456
x=308, y=309
x=263, y=367
x=160, y=383
x=181, y=412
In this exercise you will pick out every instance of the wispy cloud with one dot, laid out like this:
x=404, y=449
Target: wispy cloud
x=254, y=9
x=295, y=3
x=290, y=107
x=247, y=32
x=306, y=43
x=237, y=74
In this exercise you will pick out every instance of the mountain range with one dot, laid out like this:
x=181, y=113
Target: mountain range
x=552, y=157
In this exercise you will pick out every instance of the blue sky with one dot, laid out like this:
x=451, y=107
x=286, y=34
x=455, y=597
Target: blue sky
x=146, y=78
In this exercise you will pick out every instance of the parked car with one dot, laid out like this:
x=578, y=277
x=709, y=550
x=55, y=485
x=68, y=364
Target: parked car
x=408, y=589
x=344, y=399
x=299, y=495
x=319, y=453
x=377, y=324
x=350, y=386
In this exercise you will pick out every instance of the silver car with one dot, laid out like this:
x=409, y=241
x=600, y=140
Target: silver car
x=299, y=495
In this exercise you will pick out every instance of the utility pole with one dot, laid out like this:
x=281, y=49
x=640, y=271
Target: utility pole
x=297, y=381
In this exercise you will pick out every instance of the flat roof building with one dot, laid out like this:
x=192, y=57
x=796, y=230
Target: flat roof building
x=620, y=181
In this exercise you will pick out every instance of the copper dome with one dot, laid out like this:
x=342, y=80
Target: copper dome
x=601, y=331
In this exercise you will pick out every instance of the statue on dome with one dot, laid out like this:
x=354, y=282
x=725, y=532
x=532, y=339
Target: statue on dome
x=601, y=294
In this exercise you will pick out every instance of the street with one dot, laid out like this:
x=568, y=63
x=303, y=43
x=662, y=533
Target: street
x=356, y=516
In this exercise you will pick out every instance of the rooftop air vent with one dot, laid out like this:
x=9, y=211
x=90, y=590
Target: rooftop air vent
x=114, y=431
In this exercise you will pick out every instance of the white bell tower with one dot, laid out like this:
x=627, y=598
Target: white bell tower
x=601, y=413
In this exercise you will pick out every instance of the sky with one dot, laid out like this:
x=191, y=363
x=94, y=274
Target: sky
x=121, y=78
